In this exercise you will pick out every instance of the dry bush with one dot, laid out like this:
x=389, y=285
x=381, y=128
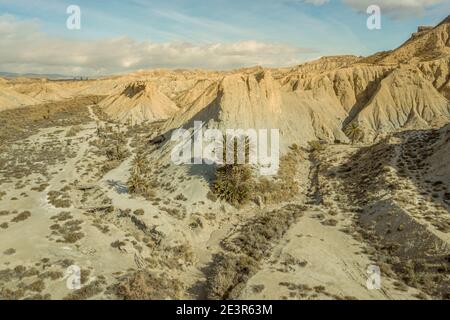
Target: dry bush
x=59, y=199
x=244, y=251
x=143, y=285
x=284, y=186
x=69, y=231
x=174, y=212
x=112, y=145
x=21, y=216
x=258, y=235
x=8, y=294
x=229, y=274
x=88, y=291
x=9, y=251
x=36, y=286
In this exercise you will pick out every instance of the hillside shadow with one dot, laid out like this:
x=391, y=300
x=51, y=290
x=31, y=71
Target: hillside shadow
x=365, y=171
x=205, y=171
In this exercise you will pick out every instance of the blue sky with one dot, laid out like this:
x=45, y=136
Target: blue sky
x=283, y=31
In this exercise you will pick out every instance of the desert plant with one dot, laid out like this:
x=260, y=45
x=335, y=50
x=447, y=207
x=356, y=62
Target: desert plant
x=139, y=181
x=233, y=183
x=117, y=152
x=354, y=132
x=143, y=285
x=316, y=146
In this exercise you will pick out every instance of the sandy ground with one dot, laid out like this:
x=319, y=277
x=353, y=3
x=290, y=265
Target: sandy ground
x=312, y=260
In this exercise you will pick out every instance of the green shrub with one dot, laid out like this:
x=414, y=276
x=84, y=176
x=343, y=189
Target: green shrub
x=233, y=183
x=140, y=182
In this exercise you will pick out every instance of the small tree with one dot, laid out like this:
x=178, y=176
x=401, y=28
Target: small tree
x=234, y=182
x=139, y=181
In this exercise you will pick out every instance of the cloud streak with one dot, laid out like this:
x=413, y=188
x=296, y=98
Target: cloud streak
x=392, y=8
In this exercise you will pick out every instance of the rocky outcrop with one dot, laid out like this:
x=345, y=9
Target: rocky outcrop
x=403, y=100
x=138, y=102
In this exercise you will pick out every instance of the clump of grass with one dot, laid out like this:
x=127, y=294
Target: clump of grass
x=69, y=231
x=330, y=222
x=62, y=216
x=174, y=212
x=8, y=294
x=181, y=197
x=53, y=275
x=36, y=286
x=9, y=251
x=88, y=291
x=40, y=187
x=59, y=199
x=211, y=196
x=21, y=216
x=139, y=212
x=316, y=146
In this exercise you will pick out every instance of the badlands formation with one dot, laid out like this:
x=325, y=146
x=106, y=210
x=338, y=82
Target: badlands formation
x=87, y=186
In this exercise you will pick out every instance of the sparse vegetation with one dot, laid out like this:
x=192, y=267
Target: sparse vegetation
x=144, y=285
x=245, y=250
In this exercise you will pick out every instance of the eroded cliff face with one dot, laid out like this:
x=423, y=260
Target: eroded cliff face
x=405, y=88
x=139, y=102
x=403, y=100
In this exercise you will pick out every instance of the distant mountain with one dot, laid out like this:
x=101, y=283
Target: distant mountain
x=36, y=76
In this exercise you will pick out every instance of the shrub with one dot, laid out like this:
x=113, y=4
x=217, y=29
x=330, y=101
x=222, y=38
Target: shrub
x=316, y=146
x=354, y=132
x=285, y=186
x=143, y=285
x=233, y=183
x=21, y=216
x=140, y=182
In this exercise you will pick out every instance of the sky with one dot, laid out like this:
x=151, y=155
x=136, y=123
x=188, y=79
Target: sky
x=118, y=36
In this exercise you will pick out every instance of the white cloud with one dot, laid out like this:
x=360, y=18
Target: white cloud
x=23, y=48
x=393, y=8
x=317, y=2
x=396, y=8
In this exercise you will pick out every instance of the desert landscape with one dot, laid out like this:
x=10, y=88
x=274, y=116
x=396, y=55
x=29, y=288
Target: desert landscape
x=87, y=181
